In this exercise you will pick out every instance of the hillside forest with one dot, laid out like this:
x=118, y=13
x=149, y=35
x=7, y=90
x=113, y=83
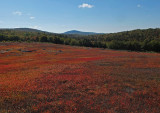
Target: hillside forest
x=135, y=40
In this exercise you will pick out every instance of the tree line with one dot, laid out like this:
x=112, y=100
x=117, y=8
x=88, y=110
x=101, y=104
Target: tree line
x=136, y=40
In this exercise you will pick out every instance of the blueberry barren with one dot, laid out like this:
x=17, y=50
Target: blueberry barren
x=43, y=77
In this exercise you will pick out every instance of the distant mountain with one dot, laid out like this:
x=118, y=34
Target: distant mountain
x=72, y=32
x=75, y=32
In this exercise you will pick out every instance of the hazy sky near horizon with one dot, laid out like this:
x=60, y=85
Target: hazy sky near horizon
x=85, y=15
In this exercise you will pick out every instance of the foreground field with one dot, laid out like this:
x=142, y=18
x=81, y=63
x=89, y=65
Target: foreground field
x=36, y=77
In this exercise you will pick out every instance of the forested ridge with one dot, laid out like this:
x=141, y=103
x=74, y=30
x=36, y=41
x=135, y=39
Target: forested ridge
x=135, y=40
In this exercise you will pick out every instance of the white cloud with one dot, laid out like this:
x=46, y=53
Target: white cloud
x=84, y=5
x=35, y=27
x=28, y=15
x=32, y=17
x=139, y=6
x=17, y=13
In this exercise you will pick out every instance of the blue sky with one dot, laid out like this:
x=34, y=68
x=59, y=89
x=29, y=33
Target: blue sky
x=85, y=15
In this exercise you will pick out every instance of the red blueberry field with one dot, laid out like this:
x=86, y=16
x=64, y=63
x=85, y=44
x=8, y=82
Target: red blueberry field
x=50, y=78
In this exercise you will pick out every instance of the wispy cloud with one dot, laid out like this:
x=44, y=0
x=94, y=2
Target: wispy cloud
x=32, y=17
x=139, y=5
x=84, y=5
x=17, y=13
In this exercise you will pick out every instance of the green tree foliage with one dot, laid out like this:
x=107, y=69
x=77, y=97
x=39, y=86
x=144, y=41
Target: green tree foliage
x=136, y=40
x=43, y=39
x=3, y=38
